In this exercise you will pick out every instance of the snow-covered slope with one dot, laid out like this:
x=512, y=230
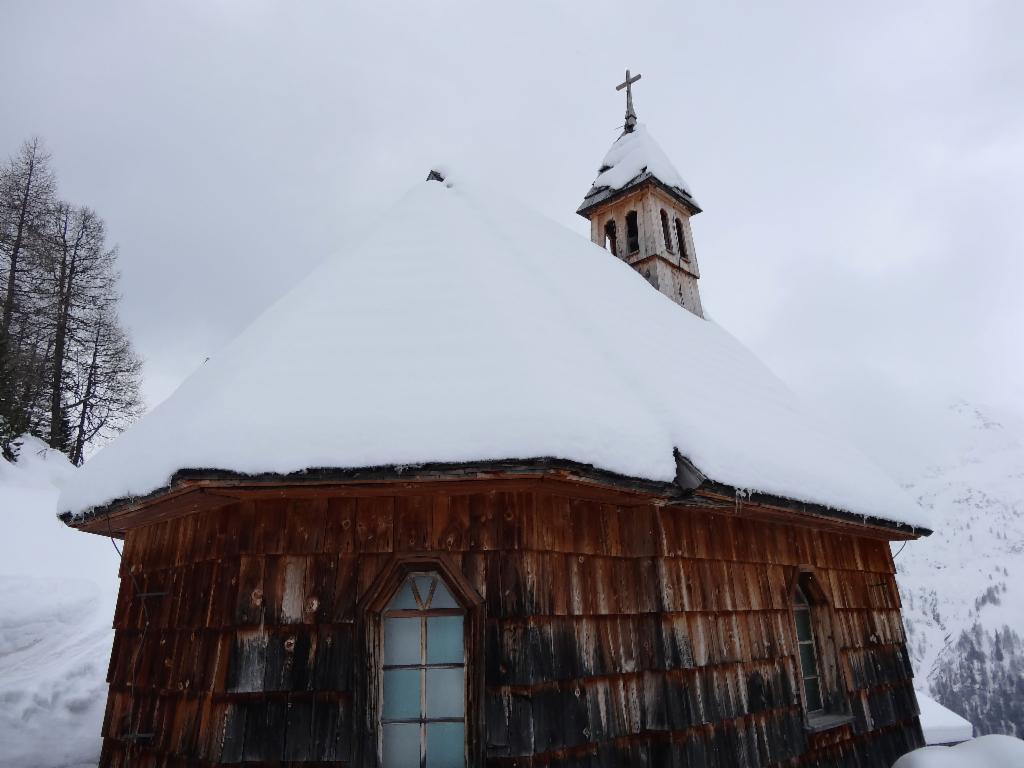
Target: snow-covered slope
x=963, y=587
x=57, y=593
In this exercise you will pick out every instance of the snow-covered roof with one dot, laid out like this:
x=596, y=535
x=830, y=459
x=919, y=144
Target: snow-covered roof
x=466, y=328
x=941, y=725
x=633, y=158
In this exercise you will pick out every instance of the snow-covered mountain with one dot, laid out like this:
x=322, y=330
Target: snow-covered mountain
x=57, y=594
x=963, y=587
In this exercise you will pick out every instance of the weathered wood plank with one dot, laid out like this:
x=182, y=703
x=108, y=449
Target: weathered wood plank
x=414, y=524
x=375, y=524
x=306, y=520
x=340, y=526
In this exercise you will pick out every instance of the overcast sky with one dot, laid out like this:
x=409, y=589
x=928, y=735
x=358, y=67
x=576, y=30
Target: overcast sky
x=861, y=166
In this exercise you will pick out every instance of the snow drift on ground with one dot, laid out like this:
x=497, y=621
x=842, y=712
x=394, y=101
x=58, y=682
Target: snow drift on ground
x=984, y=752
x=57, y=594
x=466, y=328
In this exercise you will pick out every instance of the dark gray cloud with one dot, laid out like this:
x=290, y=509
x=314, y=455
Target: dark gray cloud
x=861, y=166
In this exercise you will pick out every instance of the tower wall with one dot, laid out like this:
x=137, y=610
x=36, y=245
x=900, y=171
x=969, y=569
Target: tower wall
x=662, y=264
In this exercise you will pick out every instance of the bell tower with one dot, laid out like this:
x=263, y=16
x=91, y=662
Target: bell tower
x=639, y=208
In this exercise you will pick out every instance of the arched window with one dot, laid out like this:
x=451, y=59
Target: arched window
x=423, y=692
x=632, y=233
x=824, y=694
x=666, y=232
x=610, y=237
x=809, y=670
x=681, y=237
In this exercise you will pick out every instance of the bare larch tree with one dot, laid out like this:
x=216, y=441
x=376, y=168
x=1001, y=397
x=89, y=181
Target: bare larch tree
x=27, y=188
x=67, y=370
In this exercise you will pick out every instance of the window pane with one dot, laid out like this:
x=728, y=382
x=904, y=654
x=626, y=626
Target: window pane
x=446, y=745
x=799, y=598
x=401, y=641
x=442, y=597
x=808, y=663
x=401, y=745
x=813, y=693
x=423, y=581
x=403, y=598
x=401, y=694
x=445, y=693
x=803, y=624
x=444, y=639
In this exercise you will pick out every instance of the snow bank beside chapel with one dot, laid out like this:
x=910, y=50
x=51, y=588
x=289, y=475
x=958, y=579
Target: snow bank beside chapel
x=941, y=725
x=57, y=594
x=984, y=752
x=466, y=328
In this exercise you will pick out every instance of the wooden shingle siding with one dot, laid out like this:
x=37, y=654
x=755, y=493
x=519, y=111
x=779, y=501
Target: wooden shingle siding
x=618, y=630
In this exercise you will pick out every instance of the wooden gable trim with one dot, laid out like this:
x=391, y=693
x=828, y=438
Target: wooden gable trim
x=400, y=566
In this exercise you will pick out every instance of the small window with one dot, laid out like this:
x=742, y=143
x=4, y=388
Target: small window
x=681, y=238
x=666, y=232
x=610, y=238
x=423, y=696
x=823, y=690
x=632, y=233
x=808, y=652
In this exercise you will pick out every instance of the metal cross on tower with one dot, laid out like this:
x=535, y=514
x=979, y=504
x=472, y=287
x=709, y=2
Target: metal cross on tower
x=630, y=114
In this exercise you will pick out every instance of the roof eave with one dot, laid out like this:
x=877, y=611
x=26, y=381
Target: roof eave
x=192, y=490
x=185, y=483
x=598, y=196
x=722, y=491
x=688, y=476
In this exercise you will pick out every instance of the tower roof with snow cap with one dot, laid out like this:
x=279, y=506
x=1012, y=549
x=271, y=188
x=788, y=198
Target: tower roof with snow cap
x=467, y=328
x=634, y=158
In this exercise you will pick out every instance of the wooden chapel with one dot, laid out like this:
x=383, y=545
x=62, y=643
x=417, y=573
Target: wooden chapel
x=466, y=558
